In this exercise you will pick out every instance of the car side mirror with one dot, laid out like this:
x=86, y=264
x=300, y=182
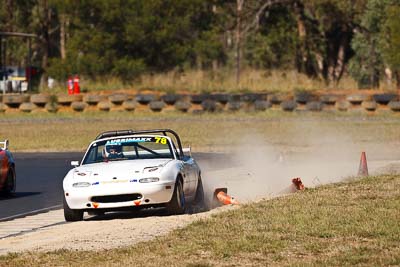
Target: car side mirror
x=5, y=144
x=187, y=150
x=75, y=163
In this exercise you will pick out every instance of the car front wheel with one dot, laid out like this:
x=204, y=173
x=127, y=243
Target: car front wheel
x=177, y=204
x=72, y=215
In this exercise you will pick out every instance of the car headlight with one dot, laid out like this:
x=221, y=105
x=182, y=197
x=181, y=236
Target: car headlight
x=151, y=169
x=82, y=174
x=81, y=184
x=149, y=180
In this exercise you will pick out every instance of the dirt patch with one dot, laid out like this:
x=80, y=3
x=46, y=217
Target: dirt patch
x=113, y=230
x=110, y=231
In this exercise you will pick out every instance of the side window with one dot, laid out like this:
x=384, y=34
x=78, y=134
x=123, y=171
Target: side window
x=129, y=151
x=95, y=154
x=175, y=150
x=91, y=157
x=99, y=153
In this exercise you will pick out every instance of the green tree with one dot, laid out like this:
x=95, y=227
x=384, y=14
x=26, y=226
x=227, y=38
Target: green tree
x=108, y=37
x=366, y=66
x=390, y=40
x=325, y=30
x=102, y=38
x=15, y=16
x=275, y=43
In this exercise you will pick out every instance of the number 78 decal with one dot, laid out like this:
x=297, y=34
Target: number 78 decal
x=161, y=140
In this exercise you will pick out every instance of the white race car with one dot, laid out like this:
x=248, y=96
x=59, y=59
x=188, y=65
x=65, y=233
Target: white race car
x=132, y=170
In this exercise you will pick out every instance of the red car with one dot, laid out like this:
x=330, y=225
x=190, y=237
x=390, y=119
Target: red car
x=7, y=170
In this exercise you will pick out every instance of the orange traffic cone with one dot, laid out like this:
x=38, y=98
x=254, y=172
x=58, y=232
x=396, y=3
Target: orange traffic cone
x=226, y=199
x=298, y=183
x=363, y=168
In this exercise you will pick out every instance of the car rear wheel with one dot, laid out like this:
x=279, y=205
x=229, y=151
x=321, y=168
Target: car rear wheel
x=72, y=215
x=177, y=204
x=199, y=198
x=199, y=203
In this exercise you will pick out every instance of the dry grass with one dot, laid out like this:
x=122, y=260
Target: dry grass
x=108, y=84
x=342, y=224
x=207, y=132
x=223, y=80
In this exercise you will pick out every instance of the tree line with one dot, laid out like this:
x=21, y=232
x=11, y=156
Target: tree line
x=324, y=39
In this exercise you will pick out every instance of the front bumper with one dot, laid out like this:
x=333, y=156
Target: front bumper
x=151, y=194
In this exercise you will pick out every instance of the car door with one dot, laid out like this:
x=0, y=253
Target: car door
x=191, y=173
x=186, y=178
x=185, y=170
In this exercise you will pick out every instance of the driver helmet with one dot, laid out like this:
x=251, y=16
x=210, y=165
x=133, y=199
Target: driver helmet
x=111, y=151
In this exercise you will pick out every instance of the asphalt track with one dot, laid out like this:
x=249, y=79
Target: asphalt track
x=39, y=181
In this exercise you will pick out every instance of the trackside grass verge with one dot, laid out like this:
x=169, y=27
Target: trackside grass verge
x=206, y=132
x=349, y=223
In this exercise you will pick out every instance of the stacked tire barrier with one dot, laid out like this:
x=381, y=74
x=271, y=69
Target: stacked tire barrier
x=202, y=103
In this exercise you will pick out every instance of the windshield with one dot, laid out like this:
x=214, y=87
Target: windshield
x=129, y=148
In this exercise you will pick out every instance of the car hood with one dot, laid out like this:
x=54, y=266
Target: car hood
x=125, y=169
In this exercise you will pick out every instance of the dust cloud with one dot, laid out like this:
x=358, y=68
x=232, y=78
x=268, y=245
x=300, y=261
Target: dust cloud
x=262, y=169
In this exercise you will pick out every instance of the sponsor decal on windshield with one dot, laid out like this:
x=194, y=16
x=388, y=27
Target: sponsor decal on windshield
x=129, y=140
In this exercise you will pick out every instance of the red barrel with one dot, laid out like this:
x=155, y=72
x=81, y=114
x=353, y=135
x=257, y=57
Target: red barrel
x=77, y=89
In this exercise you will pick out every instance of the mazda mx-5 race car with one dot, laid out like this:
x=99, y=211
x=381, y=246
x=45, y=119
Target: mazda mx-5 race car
x=131, y=170
x=7, y=170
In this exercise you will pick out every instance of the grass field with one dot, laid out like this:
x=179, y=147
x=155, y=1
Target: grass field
x=344, y=224
x=223, y=80
x=207, y=132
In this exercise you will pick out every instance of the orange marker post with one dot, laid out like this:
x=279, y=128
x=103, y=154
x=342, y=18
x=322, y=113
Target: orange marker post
x=363, y=168
x=226, y=199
